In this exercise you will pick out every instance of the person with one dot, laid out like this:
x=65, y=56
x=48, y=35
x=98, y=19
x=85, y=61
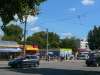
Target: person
x=61, y=58
x=11, y=57
x=47, y=58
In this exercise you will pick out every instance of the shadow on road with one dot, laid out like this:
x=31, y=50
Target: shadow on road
x=1, y=67
x=50, y=71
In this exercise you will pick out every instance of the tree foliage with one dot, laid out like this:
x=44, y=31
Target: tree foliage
x=13, y=33
x=69, y=43
x=40, y=38
x=8, y=8
x=94, y=38
x=54, y=40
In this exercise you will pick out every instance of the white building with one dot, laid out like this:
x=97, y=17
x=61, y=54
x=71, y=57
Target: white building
x=84, y=44
x=84, y=47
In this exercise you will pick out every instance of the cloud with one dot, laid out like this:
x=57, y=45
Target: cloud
x=36, y=29
x=72, y=9
x=15, y=17
x=88, y=2
x=31, y=18
x=64, y=35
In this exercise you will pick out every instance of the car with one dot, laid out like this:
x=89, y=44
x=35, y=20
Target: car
x=26, y=61
x=93, y=60
x=82, y=57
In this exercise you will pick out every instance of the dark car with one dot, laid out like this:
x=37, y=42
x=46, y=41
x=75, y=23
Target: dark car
x=93, y=60
x=26, y=61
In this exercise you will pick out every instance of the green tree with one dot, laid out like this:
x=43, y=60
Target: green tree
x=53, y=40
x=8, y=8
x=37, y=38
x=94, y=38
x=13, y=33
x=69, y=43
x=40, y=38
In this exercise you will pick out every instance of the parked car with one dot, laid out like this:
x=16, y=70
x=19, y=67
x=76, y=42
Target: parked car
x=82, y=57
x=93, y=60
x=26, y=61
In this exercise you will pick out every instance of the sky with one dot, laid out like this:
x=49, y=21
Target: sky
x=66, y=17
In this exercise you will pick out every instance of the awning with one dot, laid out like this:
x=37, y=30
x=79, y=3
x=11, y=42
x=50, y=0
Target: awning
x=10, y=50
x=82, y=50
x=65, y=49
x=31, y=48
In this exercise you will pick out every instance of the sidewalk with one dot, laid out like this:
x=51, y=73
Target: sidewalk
x=3, y=62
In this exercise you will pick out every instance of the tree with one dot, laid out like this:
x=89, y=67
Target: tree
x=94, y=38
x=53, y=40
x=69, y=43
x=13, y=33
x=40, y=38
x=8, y=8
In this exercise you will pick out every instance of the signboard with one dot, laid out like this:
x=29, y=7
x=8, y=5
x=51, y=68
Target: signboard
x=65, y=52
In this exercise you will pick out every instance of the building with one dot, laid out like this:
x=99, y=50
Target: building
x=84, y=47
x=31, y=49
x=9, y=49
x=66, y=53
x=84, y=44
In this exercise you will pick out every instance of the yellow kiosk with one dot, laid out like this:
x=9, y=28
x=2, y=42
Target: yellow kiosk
x=31, y=49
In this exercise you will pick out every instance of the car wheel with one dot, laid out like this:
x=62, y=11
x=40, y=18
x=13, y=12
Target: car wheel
x=38, y=63
x=19, y=66
x=35, y=65
x=88, y=65
x=12, y=66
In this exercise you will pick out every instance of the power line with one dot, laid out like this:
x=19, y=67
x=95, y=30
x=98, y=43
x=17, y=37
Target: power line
x=67, y=19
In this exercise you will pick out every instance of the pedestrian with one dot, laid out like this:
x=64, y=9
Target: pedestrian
x=11, y=57
x=61, y=58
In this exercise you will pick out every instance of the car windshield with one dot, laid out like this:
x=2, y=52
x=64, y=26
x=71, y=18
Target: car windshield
x=31, y=57
x=34, y=57
x=19, y=57
x=82, y=55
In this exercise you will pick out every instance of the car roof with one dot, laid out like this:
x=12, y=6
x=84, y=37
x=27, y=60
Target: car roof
x=31, y=55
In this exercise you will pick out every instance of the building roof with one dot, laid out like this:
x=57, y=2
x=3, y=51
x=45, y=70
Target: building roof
x=31, y=48
x=8, y=44
x=10, y=50
x=83, y=49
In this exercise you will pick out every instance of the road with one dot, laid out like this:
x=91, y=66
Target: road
x=52, y=68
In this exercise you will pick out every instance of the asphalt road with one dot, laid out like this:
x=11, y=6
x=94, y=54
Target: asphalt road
x=52, y=68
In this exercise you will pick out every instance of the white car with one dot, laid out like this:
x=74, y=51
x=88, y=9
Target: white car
x=82, y=57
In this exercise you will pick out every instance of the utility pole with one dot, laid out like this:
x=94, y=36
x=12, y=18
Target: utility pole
x=24, y=51
x=79, y=18
x=47, y=41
